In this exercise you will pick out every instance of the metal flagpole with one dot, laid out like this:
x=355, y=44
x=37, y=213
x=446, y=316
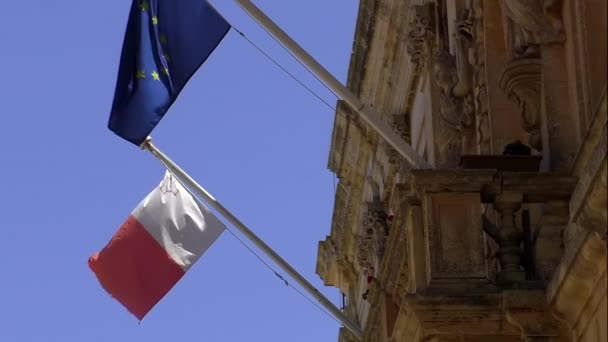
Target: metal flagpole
x=199, y=190
x=340, y=90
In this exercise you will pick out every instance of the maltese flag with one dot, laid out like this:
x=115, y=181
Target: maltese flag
x=157, y=244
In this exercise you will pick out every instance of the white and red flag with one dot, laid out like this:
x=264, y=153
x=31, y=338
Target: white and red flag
x=157, y=244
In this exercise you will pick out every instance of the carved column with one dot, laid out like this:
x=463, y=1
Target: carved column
x=509, y=238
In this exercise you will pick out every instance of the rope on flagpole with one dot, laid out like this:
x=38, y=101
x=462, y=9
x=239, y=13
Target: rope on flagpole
x=286, y=49
x=251, y=250
x=288, y=284
x=276, y=63
x=287, y=72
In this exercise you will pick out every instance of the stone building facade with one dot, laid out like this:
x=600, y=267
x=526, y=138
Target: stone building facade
x=497, y=241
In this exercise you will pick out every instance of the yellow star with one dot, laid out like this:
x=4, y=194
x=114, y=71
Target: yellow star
x=144, y=6
x=140, y=74
x=166, y=70
x=163, y=39
x=154, y=20
x=155, y=75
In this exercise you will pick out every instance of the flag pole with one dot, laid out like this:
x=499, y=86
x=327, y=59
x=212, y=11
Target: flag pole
x=338, y=88
x=199, y=190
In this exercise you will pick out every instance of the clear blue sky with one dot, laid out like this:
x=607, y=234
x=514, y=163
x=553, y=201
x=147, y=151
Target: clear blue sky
x=248, y=133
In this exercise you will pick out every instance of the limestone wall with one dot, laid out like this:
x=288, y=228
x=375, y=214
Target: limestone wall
x=467, y=77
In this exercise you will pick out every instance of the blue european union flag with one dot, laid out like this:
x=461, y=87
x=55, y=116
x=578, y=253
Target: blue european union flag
x=165, y=43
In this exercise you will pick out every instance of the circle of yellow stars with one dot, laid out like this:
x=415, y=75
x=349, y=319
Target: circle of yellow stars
x=141, y=74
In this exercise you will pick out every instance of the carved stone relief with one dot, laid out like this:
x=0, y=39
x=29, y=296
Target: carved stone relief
x=531, y=23
x=421, y=35
x=521, y=81
x=372, y=237
x=396, y=160
x=455, y=237
x=401, y=126
x=480, y=92
x=453, y=75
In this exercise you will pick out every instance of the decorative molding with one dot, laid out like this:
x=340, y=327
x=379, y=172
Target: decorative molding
x=480, y=91
x=452, y=227
x=453, y=77
x=506, y=315
x=432, y=264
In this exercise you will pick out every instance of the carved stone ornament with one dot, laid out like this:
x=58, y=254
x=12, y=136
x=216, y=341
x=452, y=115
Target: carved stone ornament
x=372, y=238
x=456, y=101
x=395, y=159
x=521, y=81
x=401, y=126
x=480, y=92
x=531, y=23
x=421, y=34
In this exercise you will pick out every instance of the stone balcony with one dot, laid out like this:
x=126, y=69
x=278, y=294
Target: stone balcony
x=435, y=277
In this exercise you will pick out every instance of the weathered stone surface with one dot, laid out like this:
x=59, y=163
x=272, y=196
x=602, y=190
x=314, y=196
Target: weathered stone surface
x=521, y=81
x=453, y=263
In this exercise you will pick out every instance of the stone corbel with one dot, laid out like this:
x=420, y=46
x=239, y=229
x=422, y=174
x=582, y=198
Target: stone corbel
x=521, y=82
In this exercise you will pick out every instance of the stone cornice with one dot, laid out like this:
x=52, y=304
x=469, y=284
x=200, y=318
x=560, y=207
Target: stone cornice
x=535, y=187
x=364, y=31
x=577, y=281
x=592, y=138
x=588, y=201
x=366, y=19
x=373, y=14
